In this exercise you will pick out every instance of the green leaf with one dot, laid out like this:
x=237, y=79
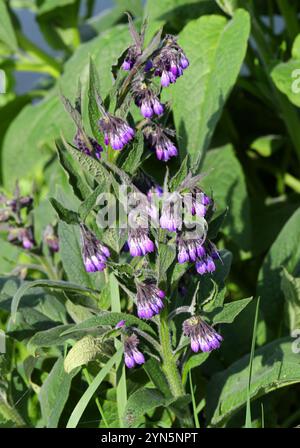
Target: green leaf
x=166, y=256
x=216, y=49
x=39, y=125
x=70, y=252
x=112, y=319
x=291, y=290
x=180, y=175
x=192, y=362
x=140, y=402
x=80, y=188
x=68, y=216
x=54, y=393
x=134, y=156
x=89, y=203
x=85, y=350
x=286, y=77
x=285, y=251
x=226, y=180
x=274, y=366
x=228, y=313
x=42, y=123
x=7, y=33
x=92, y=166
x=93, y=92
x=267, y=145
x=49, y=338
x=44, y=283
x=157, y=376
x=216, y=224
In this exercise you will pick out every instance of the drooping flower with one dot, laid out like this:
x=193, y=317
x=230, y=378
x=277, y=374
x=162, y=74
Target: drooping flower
x=93, y=149
x=130, y=58
x=190, y=249
x=146, y=99
x=203, y=336
x=200, y=202
x=139, y=242
x=132, y=355
x=163, y=146
x=205, y=263
x=170, y=218
x=51, y=239
x=170, y=61
x=149, y=300
x=117, y=133
x=94, y=253
x=22, y=235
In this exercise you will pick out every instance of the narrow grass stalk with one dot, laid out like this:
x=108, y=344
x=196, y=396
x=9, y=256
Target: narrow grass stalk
x=121, y=388
x=195, y=413
x=91, y=390
x=248, y=422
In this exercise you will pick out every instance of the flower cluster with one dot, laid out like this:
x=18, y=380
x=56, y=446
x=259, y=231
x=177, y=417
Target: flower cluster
x=146, y=99
x=132, y=354
x=15, y=214
x=94, y=253
x=203, y=336
x=149, y=300
x=87, y=145
x=117, y=133
x=170, y=61
x=139, y=242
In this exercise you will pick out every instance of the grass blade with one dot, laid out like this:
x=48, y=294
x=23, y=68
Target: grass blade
x=121, y=387
x=88, y=394
x=248, y=422
x=195, y=413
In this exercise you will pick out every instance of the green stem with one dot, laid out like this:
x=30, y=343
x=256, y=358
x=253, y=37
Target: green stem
x=169, y=361
x=169, y=366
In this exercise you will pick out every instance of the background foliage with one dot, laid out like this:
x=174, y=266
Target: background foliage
x=237, y=118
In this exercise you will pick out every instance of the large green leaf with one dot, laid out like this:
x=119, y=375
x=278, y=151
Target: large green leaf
x=216, y=49
x=141, y=402
x=286, y=77
x=70, y=251
x=291, y=290
x=284, y=252
x=40, y=124
x=274, y=366
x=54, y=394
x=226, y=179
x=7, y=33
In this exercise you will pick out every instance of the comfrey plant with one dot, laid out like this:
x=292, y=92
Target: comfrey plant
x=145, y=236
